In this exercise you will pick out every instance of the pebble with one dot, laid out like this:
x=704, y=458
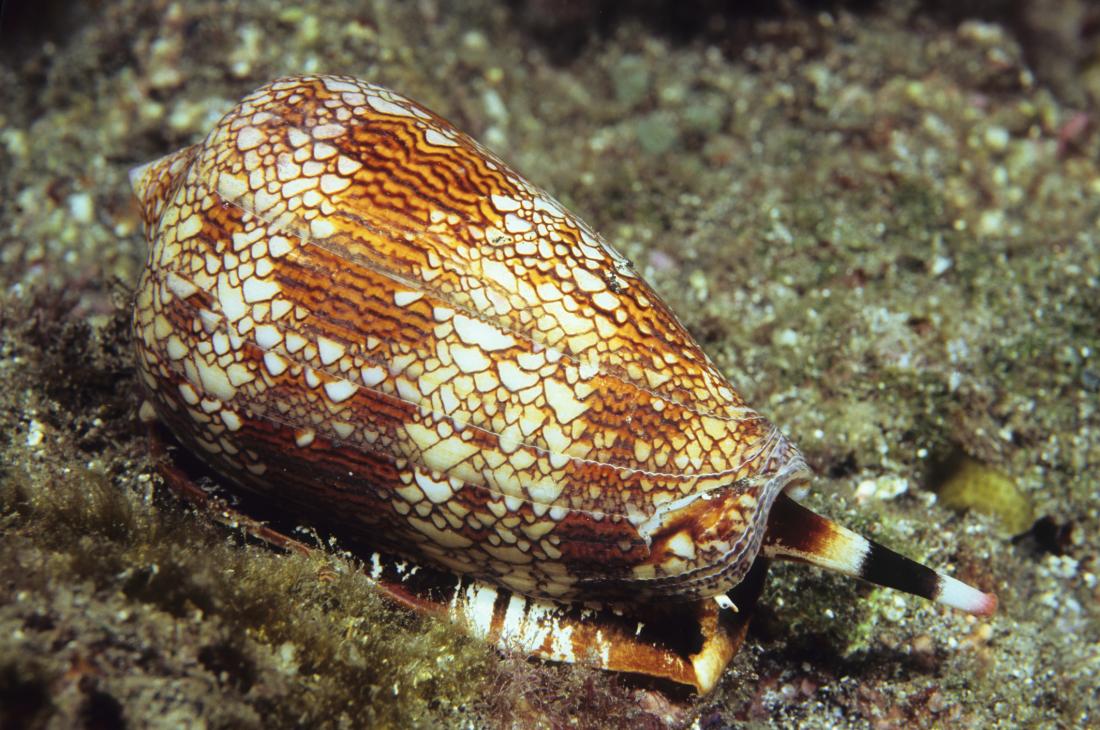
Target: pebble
x=630, y=79
x=785, y=338
x=941, y=264
x=991, y=223
x=657, y=132
x=1062, y=566
x=164, y=71
x=81, y=208
x=35, y=434
x=885, y=487
x=997, y=138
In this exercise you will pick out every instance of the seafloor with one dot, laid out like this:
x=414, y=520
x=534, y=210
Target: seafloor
x=882, y=222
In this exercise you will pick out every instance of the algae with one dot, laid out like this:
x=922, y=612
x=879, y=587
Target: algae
x=970, y=484
x=880, y=221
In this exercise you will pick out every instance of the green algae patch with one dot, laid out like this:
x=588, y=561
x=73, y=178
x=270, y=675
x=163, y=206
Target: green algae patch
x=281, y=638
x=968, y=484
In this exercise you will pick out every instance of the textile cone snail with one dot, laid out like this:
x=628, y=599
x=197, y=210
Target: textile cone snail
x=367, y=321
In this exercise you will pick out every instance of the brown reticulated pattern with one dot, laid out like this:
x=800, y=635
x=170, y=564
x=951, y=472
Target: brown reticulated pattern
x=358, y=310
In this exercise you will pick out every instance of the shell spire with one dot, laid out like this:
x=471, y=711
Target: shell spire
x=155, y=182
x=799, y=534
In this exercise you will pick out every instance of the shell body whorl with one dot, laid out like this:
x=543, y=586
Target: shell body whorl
x=355, y=310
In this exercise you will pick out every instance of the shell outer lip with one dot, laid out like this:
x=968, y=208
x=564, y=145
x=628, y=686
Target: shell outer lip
x=784, y=469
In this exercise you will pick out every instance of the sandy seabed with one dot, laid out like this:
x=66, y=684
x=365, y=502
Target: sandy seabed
x=883, y=225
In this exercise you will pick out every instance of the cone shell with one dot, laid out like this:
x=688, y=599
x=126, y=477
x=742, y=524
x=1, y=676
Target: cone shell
x=356, y=311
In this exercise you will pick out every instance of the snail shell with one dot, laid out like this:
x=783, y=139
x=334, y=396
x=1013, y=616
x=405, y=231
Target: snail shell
x=355, y=309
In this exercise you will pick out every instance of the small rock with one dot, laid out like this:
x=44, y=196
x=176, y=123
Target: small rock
x=698, y=281
x=785, y=338
x=630, y=79
x=82, y=208
x=474, y=48
x=164, y=56
x=991, y=223
x=997, y=138
x=885, y=487
x=35, y=434
x=923, y=644
x=658, y=133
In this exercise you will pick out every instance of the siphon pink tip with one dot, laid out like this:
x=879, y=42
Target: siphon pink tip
x=965, y=598
x=989, y=607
